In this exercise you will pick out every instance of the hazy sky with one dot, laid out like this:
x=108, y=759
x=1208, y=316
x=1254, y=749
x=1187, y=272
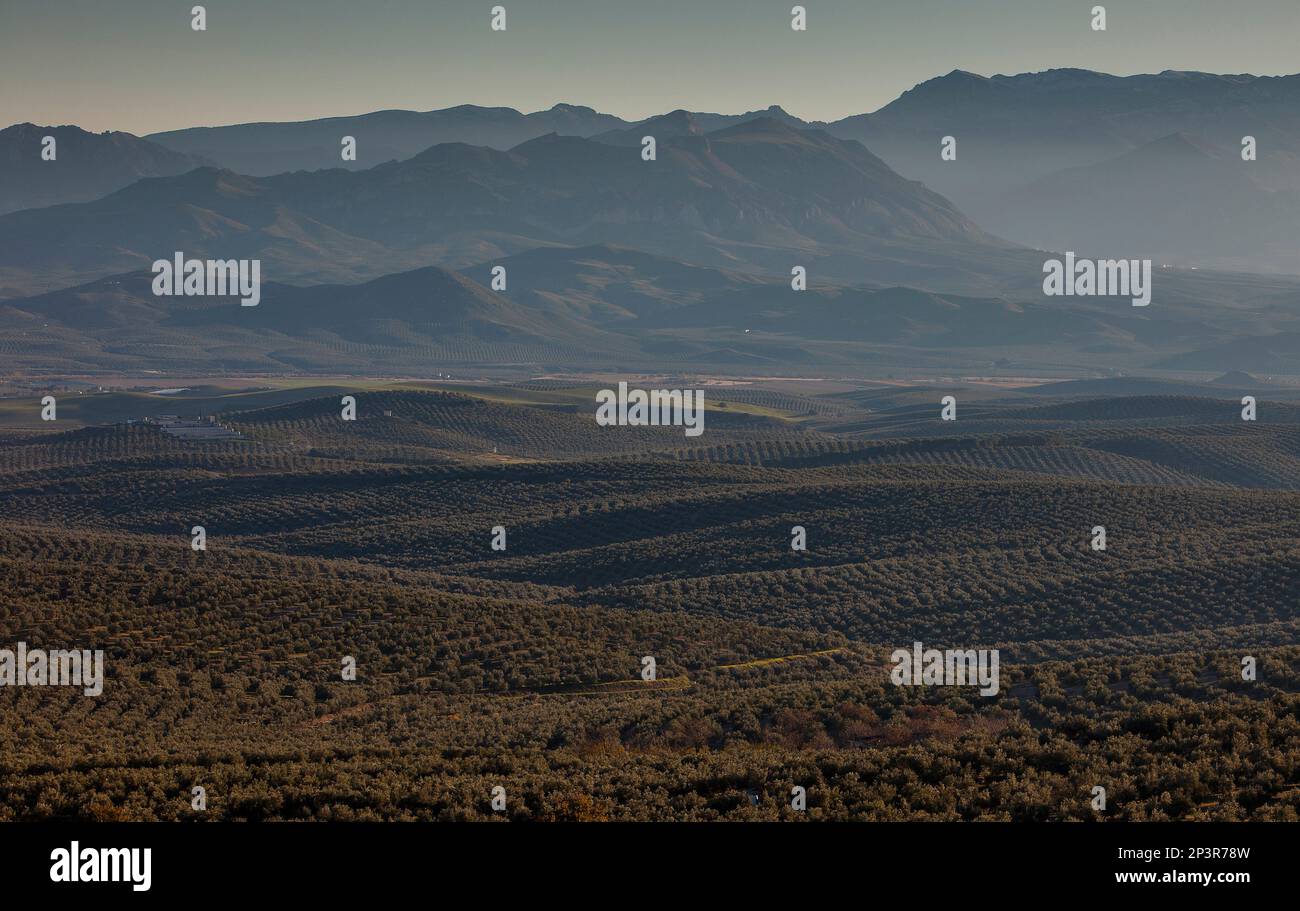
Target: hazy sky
x=136, y=65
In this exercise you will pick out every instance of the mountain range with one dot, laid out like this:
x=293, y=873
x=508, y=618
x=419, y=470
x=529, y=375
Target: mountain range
x=1014, y=134
x=1044, y=159
x=1016, y=128
x=262, y=149
x=757, y=196
x=1021, y=142
x=689, y=255
x=608, y=307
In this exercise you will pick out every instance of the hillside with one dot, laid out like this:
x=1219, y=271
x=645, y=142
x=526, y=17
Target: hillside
x=771, y=663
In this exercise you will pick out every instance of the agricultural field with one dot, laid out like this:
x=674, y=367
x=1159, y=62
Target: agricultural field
x=372, y=540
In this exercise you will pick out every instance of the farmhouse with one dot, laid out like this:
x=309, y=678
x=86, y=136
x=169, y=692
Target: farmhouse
x=200, y=428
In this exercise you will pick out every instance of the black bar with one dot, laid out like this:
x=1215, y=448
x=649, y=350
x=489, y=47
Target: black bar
x=639, y=863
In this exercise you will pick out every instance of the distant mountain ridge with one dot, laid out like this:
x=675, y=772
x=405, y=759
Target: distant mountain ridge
x=1069, y=117
x=263, y=149
x=411, y=319
x=1081, y=115
x=675, y=123
x=1145, y=166
x=1037, y=129
x=606, y=307
x=759, y=195
x=86, y=165
x=1155, y=202
x=1011, y=132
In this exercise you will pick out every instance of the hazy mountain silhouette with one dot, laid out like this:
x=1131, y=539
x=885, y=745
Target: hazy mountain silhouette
x=262, y=149
x=1276, y=353
x=759, y=195
x=604, y=306
x=904, y=316
x=1236, y=379
x=200, y=212
x=676, y=123
x=430, y=301
x=609, y=285
x=1016, y=131
x=421, y=306
x=710, y=122
x=1172, y=199
x=1013, y=133
x=86, y=165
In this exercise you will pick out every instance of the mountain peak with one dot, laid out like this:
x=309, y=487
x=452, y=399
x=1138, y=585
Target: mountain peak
x=679, y=121
x=89, y=165
x=1237, y=378
x=957, y=85
x=552, y=138
x=675, y=124
x=758, y=125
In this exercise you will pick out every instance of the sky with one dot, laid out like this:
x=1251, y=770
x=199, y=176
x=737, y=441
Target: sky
x=137, y=65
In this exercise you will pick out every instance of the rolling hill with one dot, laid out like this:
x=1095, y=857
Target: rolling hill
x=370, y=540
